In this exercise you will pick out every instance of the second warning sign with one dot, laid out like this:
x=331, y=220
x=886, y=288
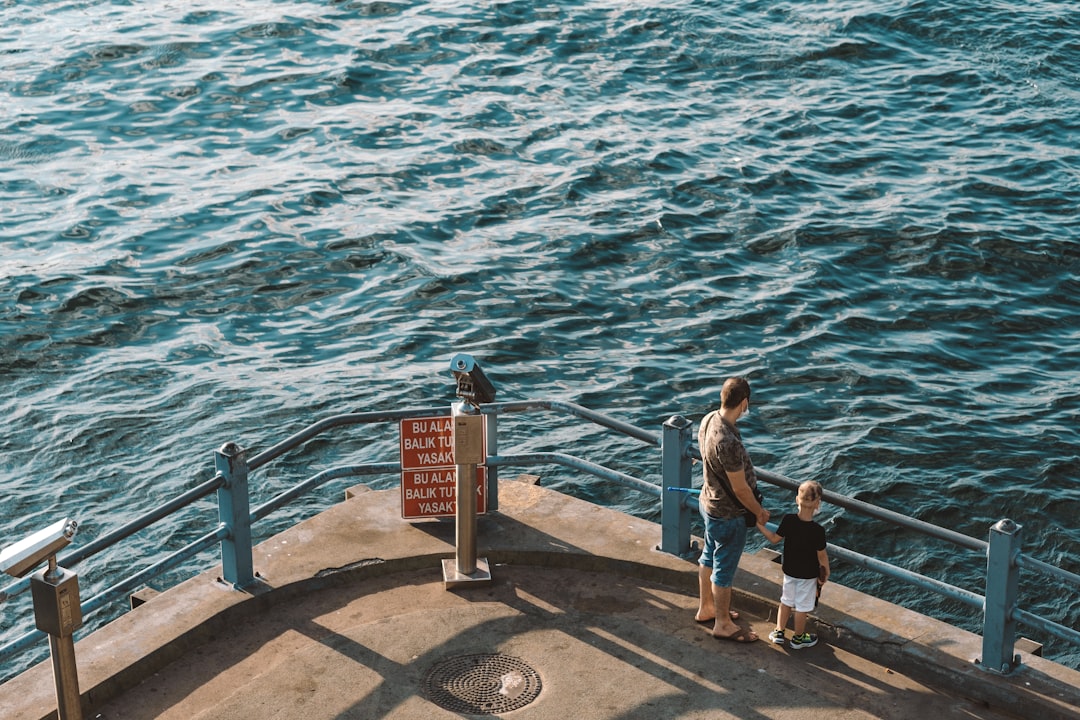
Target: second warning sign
x=428, y=478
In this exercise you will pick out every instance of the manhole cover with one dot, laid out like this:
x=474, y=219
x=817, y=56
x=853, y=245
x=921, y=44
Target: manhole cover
x=482, y=684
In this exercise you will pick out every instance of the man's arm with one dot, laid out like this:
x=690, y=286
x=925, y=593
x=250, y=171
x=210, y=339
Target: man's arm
x=742, y=491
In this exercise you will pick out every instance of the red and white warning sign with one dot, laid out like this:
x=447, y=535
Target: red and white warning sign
x=428, y=478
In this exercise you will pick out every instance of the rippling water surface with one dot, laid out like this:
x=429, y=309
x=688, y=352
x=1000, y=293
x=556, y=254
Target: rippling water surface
x=224, y=221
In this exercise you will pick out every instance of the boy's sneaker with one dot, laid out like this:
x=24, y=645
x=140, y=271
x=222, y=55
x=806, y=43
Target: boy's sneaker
x=798, y=642
x=777, y=636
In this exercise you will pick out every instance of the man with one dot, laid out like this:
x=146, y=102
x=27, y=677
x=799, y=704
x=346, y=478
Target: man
x=727, y=468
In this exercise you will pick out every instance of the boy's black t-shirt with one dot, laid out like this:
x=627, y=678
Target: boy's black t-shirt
x=802, y=540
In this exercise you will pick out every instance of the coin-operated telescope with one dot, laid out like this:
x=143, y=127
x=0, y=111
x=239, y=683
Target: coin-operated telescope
x=22, y=557
x=473, y=385
x=57, y=608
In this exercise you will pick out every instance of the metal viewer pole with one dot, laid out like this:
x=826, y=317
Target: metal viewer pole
x=66, y=677
x=466, y=568
x=465, y=516
x=57, y=611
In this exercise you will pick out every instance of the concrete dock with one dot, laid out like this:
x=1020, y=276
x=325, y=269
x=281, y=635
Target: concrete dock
x=583, y=618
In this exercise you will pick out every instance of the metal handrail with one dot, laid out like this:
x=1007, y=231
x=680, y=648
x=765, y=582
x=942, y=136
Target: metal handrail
x=354, y=418
x=125, y=531
x=125, y=587
x=879, y=513
x=913, y=578
x=576, y=410
x=1031, y=563
x=576, y=463
x=908, y=576
x=992, y=652
x=320, y=479
x=222, y=531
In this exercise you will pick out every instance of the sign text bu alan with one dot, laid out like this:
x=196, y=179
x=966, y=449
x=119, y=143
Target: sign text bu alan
x=428, y=479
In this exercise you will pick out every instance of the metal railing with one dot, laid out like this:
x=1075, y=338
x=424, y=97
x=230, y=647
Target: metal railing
x=1002, y=552
x=233, y=531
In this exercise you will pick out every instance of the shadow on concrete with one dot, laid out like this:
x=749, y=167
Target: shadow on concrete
x=605, y=620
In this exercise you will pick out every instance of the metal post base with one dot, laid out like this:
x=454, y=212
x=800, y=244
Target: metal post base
x=66, y=677
x=452, y=578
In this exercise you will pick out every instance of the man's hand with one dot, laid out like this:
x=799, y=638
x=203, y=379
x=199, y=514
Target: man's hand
x=742, y=491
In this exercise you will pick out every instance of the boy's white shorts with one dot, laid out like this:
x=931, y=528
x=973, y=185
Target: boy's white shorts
x=799, y=593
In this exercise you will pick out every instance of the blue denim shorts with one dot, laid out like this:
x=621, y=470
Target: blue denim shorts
x=724, y=543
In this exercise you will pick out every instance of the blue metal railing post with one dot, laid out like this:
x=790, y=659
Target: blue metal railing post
x=1002, y=582
x=677, y=466
x=234, y=512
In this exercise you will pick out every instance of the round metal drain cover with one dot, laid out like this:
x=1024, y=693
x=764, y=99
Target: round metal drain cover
x=482, y=684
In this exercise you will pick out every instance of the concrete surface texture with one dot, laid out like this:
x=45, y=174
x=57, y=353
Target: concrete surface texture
x=582, y=618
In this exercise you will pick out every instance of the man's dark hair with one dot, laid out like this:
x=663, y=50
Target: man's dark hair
x=734, y=391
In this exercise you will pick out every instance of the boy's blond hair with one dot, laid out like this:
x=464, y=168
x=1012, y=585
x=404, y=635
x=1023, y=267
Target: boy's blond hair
x=810, y=491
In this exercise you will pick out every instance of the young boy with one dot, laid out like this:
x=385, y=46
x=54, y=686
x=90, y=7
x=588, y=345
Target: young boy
x=805, y=564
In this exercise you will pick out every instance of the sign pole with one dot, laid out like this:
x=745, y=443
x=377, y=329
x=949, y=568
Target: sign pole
x=465, y=517
x=466, y=568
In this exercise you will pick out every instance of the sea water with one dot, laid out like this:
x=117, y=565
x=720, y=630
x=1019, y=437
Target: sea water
x=223, y=221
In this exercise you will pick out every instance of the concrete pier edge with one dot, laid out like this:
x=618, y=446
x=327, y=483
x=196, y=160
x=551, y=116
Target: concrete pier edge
x=364, y=537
